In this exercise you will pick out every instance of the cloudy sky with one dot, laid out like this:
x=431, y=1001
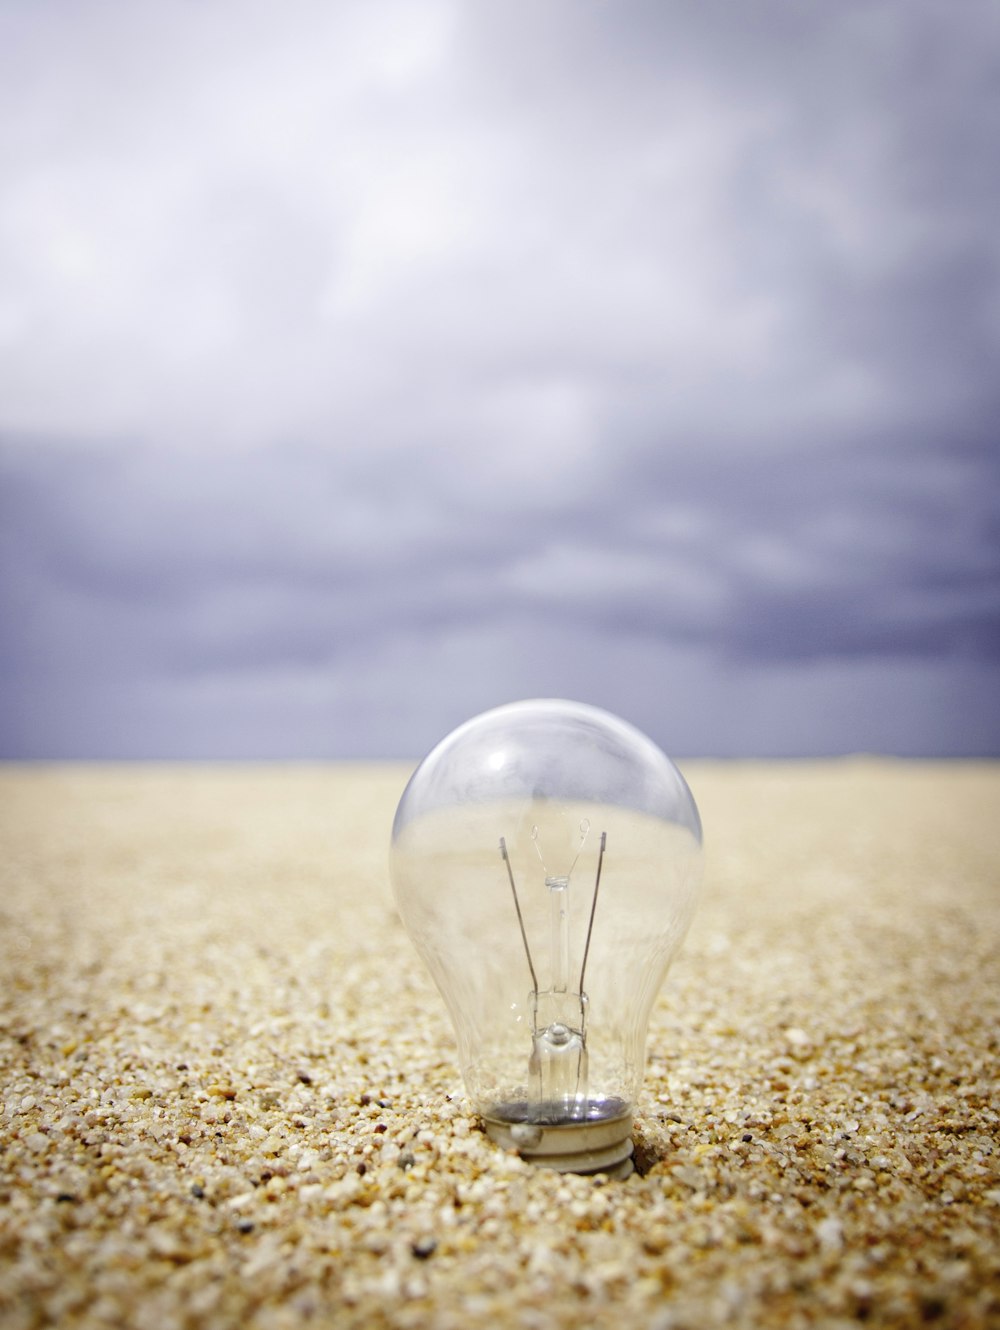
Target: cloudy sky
x=363, y=365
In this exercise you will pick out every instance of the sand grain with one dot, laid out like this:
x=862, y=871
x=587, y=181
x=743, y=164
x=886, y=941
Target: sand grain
x=229, y=1098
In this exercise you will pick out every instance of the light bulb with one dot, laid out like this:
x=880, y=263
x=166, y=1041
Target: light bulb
x=545, y=860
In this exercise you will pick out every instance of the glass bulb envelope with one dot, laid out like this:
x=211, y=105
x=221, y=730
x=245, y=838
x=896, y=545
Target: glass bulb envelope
x=545, y=860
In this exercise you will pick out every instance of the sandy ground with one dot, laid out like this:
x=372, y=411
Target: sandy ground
x=229, y=1095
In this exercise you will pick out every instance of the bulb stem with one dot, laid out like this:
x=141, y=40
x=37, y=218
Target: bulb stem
x=559, y=931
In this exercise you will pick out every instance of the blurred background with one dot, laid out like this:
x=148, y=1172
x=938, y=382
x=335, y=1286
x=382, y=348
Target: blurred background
x=364, y=365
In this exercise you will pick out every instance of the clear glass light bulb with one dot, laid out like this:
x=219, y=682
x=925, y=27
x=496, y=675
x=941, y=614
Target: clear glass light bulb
x=545, y=860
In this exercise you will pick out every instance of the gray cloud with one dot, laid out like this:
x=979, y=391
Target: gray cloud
x=288, y=575
x=362, y=370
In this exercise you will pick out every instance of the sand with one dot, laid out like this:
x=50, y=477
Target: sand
x=229, y=1096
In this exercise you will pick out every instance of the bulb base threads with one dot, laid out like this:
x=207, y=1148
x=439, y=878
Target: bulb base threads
x=592, y=1145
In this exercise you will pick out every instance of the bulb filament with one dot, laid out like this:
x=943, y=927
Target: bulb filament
x=558, y=1063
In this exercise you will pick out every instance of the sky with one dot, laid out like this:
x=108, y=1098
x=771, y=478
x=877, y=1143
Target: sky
x=366, y=365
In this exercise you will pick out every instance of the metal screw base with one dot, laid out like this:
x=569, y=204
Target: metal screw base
x=603, y=1146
